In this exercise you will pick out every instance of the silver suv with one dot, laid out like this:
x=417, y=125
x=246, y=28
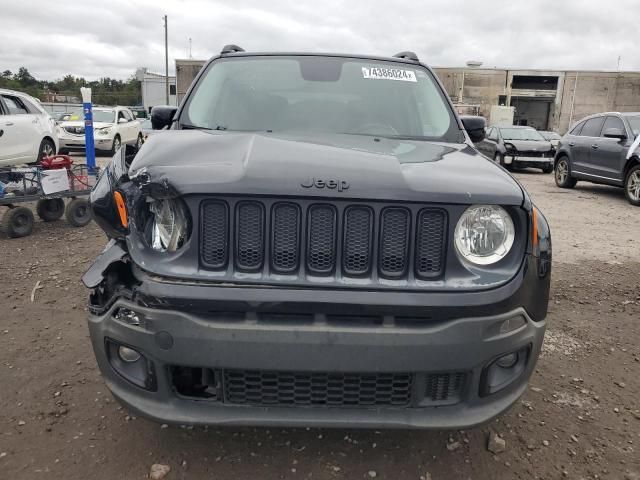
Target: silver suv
x=603, y=148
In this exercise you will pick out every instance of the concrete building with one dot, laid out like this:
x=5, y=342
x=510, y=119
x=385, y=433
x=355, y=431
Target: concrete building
x=186, y=71
x=154, y=89
x=544, y=99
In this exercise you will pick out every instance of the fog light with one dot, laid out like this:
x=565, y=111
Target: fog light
x=131, y=364
x=128, y=355
x=507, y=361
x=504, y=371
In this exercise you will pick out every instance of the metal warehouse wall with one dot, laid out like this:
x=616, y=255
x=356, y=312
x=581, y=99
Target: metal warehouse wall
x=594, y=91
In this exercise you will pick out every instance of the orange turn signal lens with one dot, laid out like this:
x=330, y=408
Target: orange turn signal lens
x=534, y=227
x=122, y=209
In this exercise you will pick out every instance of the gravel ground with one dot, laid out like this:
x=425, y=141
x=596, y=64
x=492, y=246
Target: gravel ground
x=580, y=419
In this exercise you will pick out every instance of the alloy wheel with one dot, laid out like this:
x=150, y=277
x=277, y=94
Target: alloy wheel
x=562, y=171
x=633, y=186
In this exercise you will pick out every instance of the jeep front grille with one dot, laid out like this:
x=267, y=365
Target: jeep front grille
x=307, y=239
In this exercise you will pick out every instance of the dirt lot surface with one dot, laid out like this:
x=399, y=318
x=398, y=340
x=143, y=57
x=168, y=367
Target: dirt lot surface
x=580, y=419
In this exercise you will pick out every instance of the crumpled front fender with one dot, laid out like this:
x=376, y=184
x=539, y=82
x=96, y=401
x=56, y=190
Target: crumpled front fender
x=112, y=253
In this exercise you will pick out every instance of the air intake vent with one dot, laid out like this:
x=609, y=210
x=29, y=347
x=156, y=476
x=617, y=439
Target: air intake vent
x=358, y=233
x=215, y=234
x=322, y=239
x=430, y=242
x=444, y=388
x=279, y=388
x=250, y=236
x=394, y=242
x=285, y=233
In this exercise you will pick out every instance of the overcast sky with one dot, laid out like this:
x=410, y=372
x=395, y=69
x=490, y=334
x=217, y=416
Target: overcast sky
x=97, y=38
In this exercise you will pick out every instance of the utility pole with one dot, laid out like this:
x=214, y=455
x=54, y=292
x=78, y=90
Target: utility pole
x=190, y=57
x=166, y=61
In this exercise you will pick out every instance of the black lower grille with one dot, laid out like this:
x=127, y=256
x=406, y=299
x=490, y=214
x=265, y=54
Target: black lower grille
x=444, y=388
x=255, y=387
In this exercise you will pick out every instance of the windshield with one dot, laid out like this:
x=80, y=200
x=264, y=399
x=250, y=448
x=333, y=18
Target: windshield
x=105, y=116
x=321, y=94
x=521, y=134
x=634, y=122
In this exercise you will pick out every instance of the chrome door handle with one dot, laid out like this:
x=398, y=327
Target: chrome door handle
x=8, y=124
x=595, y=146
x=571, y=144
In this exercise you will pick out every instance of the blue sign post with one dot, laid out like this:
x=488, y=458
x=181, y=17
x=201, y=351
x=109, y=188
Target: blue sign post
x=88, y=129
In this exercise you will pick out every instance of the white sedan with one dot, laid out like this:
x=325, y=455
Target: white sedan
x=27, y=131
x=112, y=127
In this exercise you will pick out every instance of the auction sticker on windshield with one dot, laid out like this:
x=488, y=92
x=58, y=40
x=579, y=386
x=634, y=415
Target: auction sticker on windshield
x=381, y=73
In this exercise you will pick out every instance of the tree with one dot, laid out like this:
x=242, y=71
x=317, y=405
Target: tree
x=25, y=78
x=7, y=74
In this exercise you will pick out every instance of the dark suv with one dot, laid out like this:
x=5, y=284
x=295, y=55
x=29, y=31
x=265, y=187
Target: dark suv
x=602, y=148
x=518, y=147
x=315, y=241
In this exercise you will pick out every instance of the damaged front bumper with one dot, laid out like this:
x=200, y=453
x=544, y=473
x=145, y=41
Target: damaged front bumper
x=232, y=354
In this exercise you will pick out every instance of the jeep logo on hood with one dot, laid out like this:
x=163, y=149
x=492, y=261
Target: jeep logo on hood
x=329, y=183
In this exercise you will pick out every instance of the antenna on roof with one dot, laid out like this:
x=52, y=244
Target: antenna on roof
x=408, y=56
x=231, y=49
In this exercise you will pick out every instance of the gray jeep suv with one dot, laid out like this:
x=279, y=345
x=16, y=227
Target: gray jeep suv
x=602, y=148
x=316, y=241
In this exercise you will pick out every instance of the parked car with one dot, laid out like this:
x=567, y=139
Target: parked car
x=518, y=147
x=146, y=128
x=113, y=127
x=314, y=241
x=602, y=148
x=27, y=131
x=552, y=137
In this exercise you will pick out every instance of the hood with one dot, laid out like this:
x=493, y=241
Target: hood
x=530, y=145
x=330, y=165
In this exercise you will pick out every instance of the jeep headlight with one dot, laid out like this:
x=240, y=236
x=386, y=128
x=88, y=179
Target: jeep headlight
x=169, y=225
x=484, y=234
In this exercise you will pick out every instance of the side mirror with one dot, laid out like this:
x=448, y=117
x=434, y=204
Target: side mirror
x=162, y=116
x=122, y=120
x=615, y=133
x=475, y=127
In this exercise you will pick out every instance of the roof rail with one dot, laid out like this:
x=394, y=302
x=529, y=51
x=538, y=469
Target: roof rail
x=408, y=56
x=231, y=49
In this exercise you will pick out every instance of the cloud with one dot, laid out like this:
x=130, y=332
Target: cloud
x=112, y=38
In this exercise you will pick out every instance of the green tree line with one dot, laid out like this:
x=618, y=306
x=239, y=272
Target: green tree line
x=105, y=91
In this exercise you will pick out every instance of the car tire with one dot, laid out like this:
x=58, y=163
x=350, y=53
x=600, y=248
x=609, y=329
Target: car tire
x=78, y=213
x=562, y=174
x=50, y=209
x=116, y=145
x=18, y=222
x=139, y=142
x=632, y=185
x=47, y=149
x=547, y=169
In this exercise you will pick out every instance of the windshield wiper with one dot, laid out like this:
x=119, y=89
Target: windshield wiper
x=186, y=126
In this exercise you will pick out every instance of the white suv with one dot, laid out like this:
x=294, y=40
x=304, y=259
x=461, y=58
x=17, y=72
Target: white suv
x=112, y=127
x=27, y=131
